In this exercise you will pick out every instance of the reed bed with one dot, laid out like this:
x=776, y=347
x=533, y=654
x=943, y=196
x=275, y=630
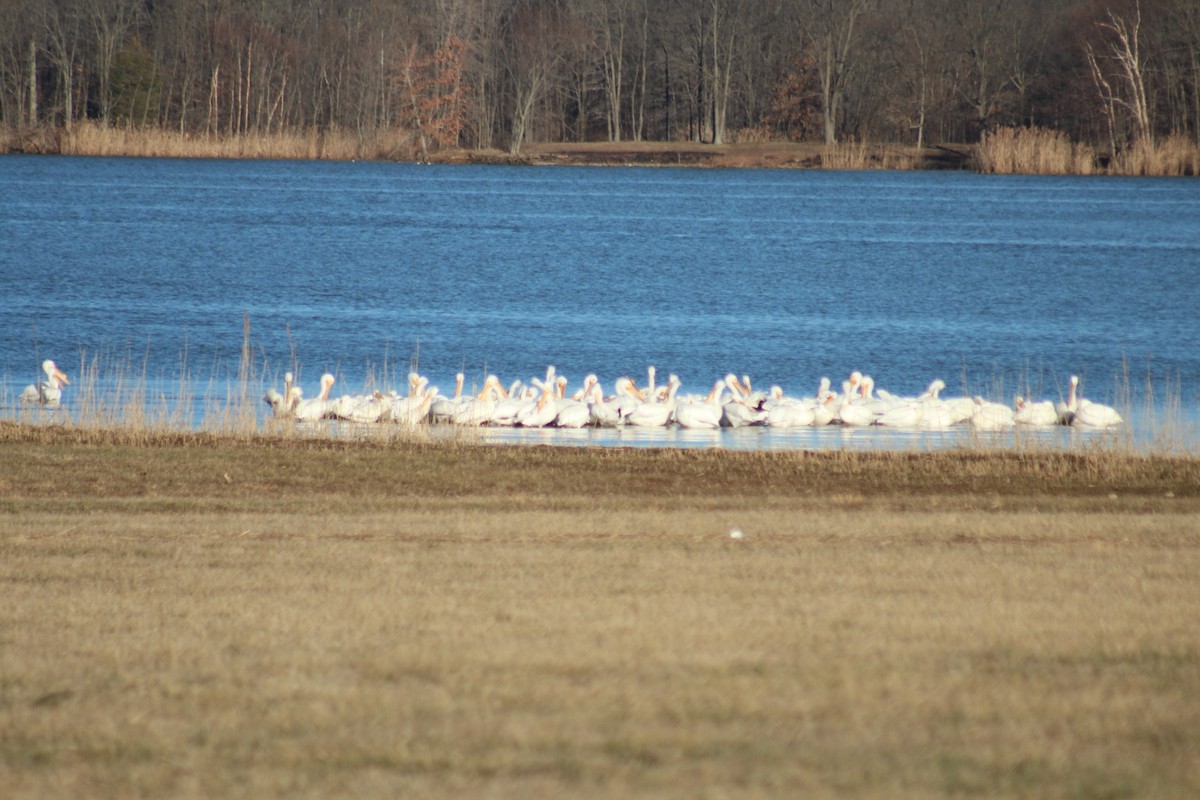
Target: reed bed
x=862, y=156
x=1033, y=151
x=95, y=139
x=1038, y=151
x=1175, y=156
x=1003, y=151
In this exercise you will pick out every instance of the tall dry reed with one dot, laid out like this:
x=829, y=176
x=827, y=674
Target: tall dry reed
x=1033, y=151
x=1172, y=157
x=1038, y=151
x=862, y=155
x=96, y=139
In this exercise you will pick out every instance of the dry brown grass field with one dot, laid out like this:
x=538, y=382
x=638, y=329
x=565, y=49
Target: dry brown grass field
x=193, y=615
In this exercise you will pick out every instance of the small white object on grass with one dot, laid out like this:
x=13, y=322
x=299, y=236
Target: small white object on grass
x=736, y=533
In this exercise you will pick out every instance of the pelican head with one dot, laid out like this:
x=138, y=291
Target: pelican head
x=626, y=386
x=55, y=374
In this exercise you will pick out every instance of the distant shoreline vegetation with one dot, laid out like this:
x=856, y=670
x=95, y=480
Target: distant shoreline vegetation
x=499, y=82
x=1003, y=151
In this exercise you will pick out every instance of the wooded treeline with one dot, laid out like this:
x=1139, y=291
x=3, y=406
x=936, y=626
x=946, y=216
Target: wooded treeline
x=497, y=73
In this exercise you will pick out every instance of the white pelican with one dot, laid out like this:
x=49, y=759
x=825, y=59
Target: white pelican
x=826, y=409
x=283, y=405
x=938, y=415
x=542, y=412
x=1030, y=413
x=613, y=411
x=412, y=409
x=1066, y=411
x=358, y=408
x=513, y=402
x=704, y=413
x=442, y=408
x=478, y=410
x=1094, y=415
x=316, y=408
x=655, y=414
x=601, y=413
x=650, y=394
x=990, y=416
x=575, y=413
x=933, y=391
x=850, y=387
x=416, y=384
x=905, y=414
x=744, y=407
x=853, y=414
x=946, y=411
x=47, y=392
x=787, y=413
x=740, y=413
x=878, y=405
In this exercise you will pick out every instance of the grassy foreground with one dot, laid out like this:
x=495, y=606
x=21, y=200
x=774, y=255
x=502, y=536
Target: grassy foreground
x=189, y=615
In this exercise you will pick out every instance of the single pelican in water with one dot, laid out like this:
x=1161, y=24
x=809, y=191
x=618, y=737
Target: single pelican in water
x=47, y=392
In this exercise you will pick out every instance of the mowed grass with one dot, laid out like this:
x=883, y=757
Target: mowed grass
x=189, y=615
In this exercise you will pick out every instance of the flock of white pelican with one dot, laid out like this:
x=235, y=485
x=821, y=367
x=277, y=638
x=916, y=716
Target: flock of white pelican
x=732, y=402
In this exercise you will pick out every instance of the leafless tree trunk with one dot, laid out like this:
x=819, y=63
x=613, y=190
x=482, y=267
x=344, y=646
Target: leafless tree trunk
x=61, y=26
x=1124, y=51
x=33, y=86
x=831, y=31
x=724, y=20
x=111, y=22
x=537, y=44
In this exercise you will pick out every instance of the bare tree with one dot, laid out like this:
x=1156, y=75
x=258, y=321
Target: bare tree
x=614, y=21
x=18, y=63
x=724, y=26
x=62, y=30
x=111, y=22
x=831, y=28
x=534, y=51
x=1124, y=52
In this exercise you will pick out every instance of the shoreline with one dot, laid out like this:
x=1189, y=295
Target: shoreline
x=1002, y=151
x=1006, y=151
x=93, y=141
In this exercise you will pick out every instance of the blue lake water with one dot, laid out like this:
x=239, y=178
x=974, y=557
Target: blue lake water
x=994, y=284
